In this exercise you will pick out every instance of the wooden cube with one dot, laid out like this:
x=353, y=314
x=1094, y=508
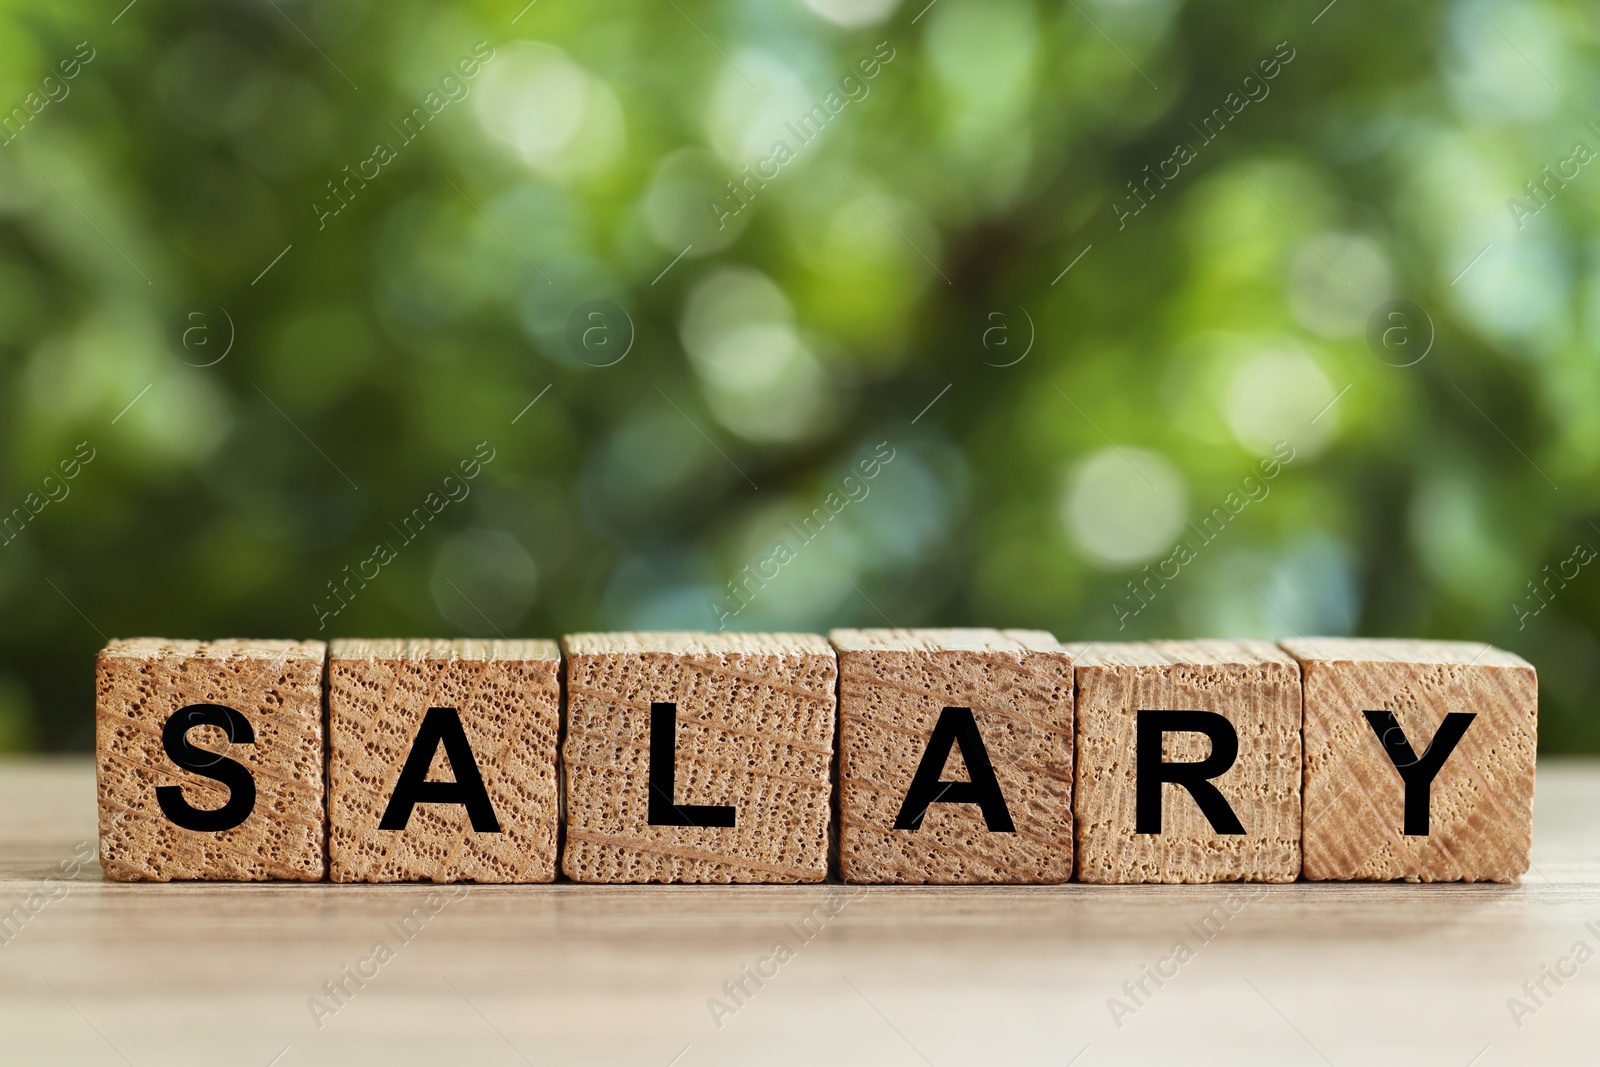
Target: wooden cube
x=1419, y=760
x=698, y=757
x=209, y=760
x=1188, y=764
x=442, y=762
x=955, y=756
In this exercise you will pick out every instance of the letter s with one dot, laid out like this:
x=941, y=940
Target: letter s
x=234, y=775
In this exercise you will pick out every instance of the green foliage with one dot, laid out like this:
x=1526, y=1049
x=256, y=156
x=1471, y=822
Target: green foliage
x=411, y=222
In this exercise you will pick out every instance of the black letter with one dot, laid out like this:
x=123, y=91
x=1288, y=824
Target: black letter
x=234, y=775
x=956, y=726
x=1418, y=772
x=1151, y=771
x=664, y=777
x=413, y=788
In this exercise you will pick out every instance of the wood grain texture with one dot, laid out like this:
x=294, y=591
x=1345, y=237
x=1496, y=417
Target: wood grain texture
x=507, y=695
x=893, y=685
x=1482, y=798
x=1256, y=687
x=277, y=687
x=755, y=729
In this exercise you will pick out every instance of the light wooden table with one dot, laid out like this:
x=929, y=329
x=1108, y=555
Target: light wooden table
x=1305, y=974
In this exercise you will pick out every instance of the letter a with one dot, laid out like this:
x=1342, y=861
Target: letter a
x=956, y=726
x=441, y=726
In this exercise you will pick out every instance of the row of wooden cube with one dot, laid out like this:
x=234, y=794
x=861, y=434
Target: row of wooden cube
x=963, y=756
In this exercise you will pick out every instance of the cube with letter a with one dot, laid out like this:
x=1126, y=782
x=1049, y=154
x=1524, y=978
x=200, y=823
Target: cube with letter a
x=209, y=760
x=1188, y=762
x=442, y=763
x=955, y=756
x=1419, y=760
x=698, y=757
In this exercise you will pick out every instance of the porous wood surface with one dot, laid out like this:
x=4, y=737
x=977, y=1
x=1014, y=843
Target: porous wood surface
x=1253, y=684
x=1481, y=823
x=277, y=686
x=508, y=697
x=893, y=685
x=755, y=729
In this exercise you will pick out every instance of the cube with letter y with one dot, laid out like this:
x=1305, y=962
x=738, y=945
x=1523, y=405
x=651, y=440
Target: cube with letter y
x=1419, y=760
x=209, y=760
x=955, y=756
x=1188, y=763
x=698, y=757
x=442, y=760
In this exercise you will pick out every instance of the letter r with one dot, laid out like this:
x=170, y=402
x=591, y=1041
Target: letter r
x=1151, y=771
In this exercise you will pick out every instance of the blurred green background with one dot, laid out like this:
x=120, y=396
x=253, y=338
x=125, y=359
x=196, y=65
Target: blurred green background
x=275, y=276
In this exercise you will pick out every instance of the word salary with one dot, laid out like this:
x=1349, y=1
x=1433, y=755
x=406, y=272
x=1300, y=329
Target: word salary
x=442, y=734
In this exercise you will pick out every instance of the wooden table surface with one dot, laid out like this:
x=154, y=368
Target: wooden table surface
x=106, y=973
